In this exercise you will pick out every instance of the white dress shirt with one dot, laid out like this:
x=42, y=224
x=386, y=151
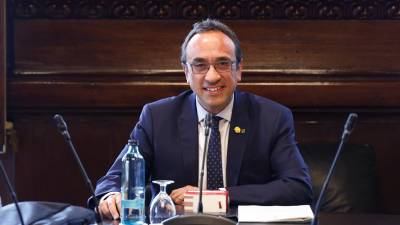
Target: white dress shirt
x=224, y=125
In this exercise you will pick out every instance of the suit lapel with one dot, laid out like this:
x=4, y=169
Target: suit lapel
x=187, y=123
x=238, y=133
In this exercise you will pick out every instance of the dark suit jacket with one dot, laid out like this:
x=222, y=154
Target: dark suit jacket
x=264, y=165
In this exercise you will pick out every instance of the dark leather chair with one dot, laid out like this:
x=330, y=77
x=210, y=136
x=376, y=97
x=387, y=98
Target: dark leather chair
x=35, y=213
x=352, y=188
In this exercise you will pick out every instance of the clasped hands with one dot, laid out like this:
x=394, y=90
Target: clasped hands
x=111, y=206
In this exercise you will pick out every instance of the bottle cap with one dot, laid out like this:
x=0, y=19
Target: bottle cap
x=133, y=141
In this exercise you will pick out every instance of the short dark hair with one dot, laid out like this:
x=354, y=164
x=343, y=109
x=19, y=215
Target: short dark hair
x=212, y=25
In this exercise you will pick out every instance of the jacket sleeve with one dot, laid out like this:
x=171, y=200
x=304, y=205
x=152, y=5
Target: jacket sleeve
x=290, y=183
x=111, y=182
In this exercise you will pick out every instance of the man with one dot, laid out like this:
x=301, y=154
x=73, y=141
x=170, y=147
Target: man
x=256, y=160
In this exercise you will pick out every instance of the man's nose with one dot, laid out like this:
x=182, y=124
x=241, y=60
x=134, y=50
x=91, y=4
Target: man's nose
x=212, y=75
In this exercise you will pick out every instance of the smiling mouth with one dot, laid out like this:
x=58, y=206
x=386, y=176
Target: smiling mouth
x=213, y=89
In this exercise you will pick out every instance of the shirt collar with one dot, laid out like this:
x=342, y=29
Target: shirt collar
x=225, y=114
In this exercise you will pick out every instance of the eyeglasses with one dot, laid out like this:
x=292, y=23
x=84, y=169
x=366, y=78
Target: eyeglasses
x=201, y=68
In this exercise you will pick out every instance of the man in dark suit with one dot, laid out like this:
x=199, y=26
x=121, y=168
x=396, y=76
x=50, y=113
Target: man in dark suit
x=256, y=160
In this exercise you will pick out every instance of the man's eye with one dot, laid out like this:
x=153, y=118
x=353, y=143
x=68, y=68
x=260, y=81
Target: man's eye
x=223, y=63
x=200, y=65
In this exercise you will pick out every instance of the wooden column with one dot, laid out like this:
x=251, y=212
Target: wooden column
x=2, y=89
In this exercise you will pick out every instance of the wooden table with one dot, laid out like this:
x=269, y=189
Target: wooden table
x=335, y=219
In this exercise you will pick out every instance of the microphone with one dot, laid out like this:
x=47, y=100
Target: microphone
x=200, y=218
x=348, y=128
x=12, y=192
x=207, y=123
x=62, y=128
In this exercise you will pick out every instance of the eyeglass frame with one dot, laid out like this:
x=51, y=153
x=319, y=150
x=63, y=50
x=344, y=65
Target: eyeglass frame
x=232, y=63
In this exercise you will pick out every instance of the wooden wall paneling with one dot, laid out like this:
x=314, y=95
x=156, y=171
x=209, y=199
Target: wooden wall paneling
x=99, y=73
x=120, y=47
x=356, y=67
x=97, y=46
x=45, y=166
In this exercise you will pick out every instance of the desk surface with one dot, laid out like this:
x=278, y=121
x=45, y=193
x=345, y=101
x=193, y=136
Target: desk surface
x=358, y=219
x=335, y=219
x=324, y=219
x=348, y=219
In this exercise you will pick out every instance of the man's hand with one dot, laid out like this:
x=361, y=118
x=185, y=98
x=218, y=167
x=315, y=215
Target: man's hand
x=177, y=194
x=111, y=206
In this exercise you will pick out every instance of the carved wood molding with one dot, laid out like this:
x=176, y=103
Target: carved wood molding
x=26, y=94
x=196, y=9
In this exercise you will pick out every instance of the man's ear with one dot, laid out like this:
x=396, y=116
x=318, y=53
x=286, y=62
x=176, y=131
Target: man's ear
x=239, y=71
x=185, y=69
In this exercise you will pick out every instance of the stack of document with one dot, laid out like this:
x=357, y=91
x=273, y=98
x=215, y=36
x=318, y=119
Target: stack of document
x=255, y=213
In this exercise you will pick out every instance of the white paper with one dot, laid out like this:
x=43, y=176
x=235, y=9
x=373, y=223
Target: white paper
x=255, y=213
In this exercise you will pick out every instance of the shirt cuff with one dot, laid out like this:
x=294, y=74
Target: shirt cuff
x=107, y=195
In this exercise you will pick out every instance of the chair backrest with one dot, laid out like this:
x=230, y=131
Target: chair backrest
x=353, y=184
x=54, y=213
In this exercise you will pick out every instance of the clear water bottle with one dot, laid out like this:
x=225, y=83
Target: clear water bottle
x=133, y=186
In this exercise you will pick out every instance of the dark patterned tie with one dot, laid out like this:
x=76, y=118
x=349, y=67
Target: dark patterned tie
x=214, y=162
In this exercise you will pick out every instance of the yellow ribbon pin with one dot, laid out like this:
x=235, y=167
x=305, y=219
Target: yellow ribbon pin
x=239, y=130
